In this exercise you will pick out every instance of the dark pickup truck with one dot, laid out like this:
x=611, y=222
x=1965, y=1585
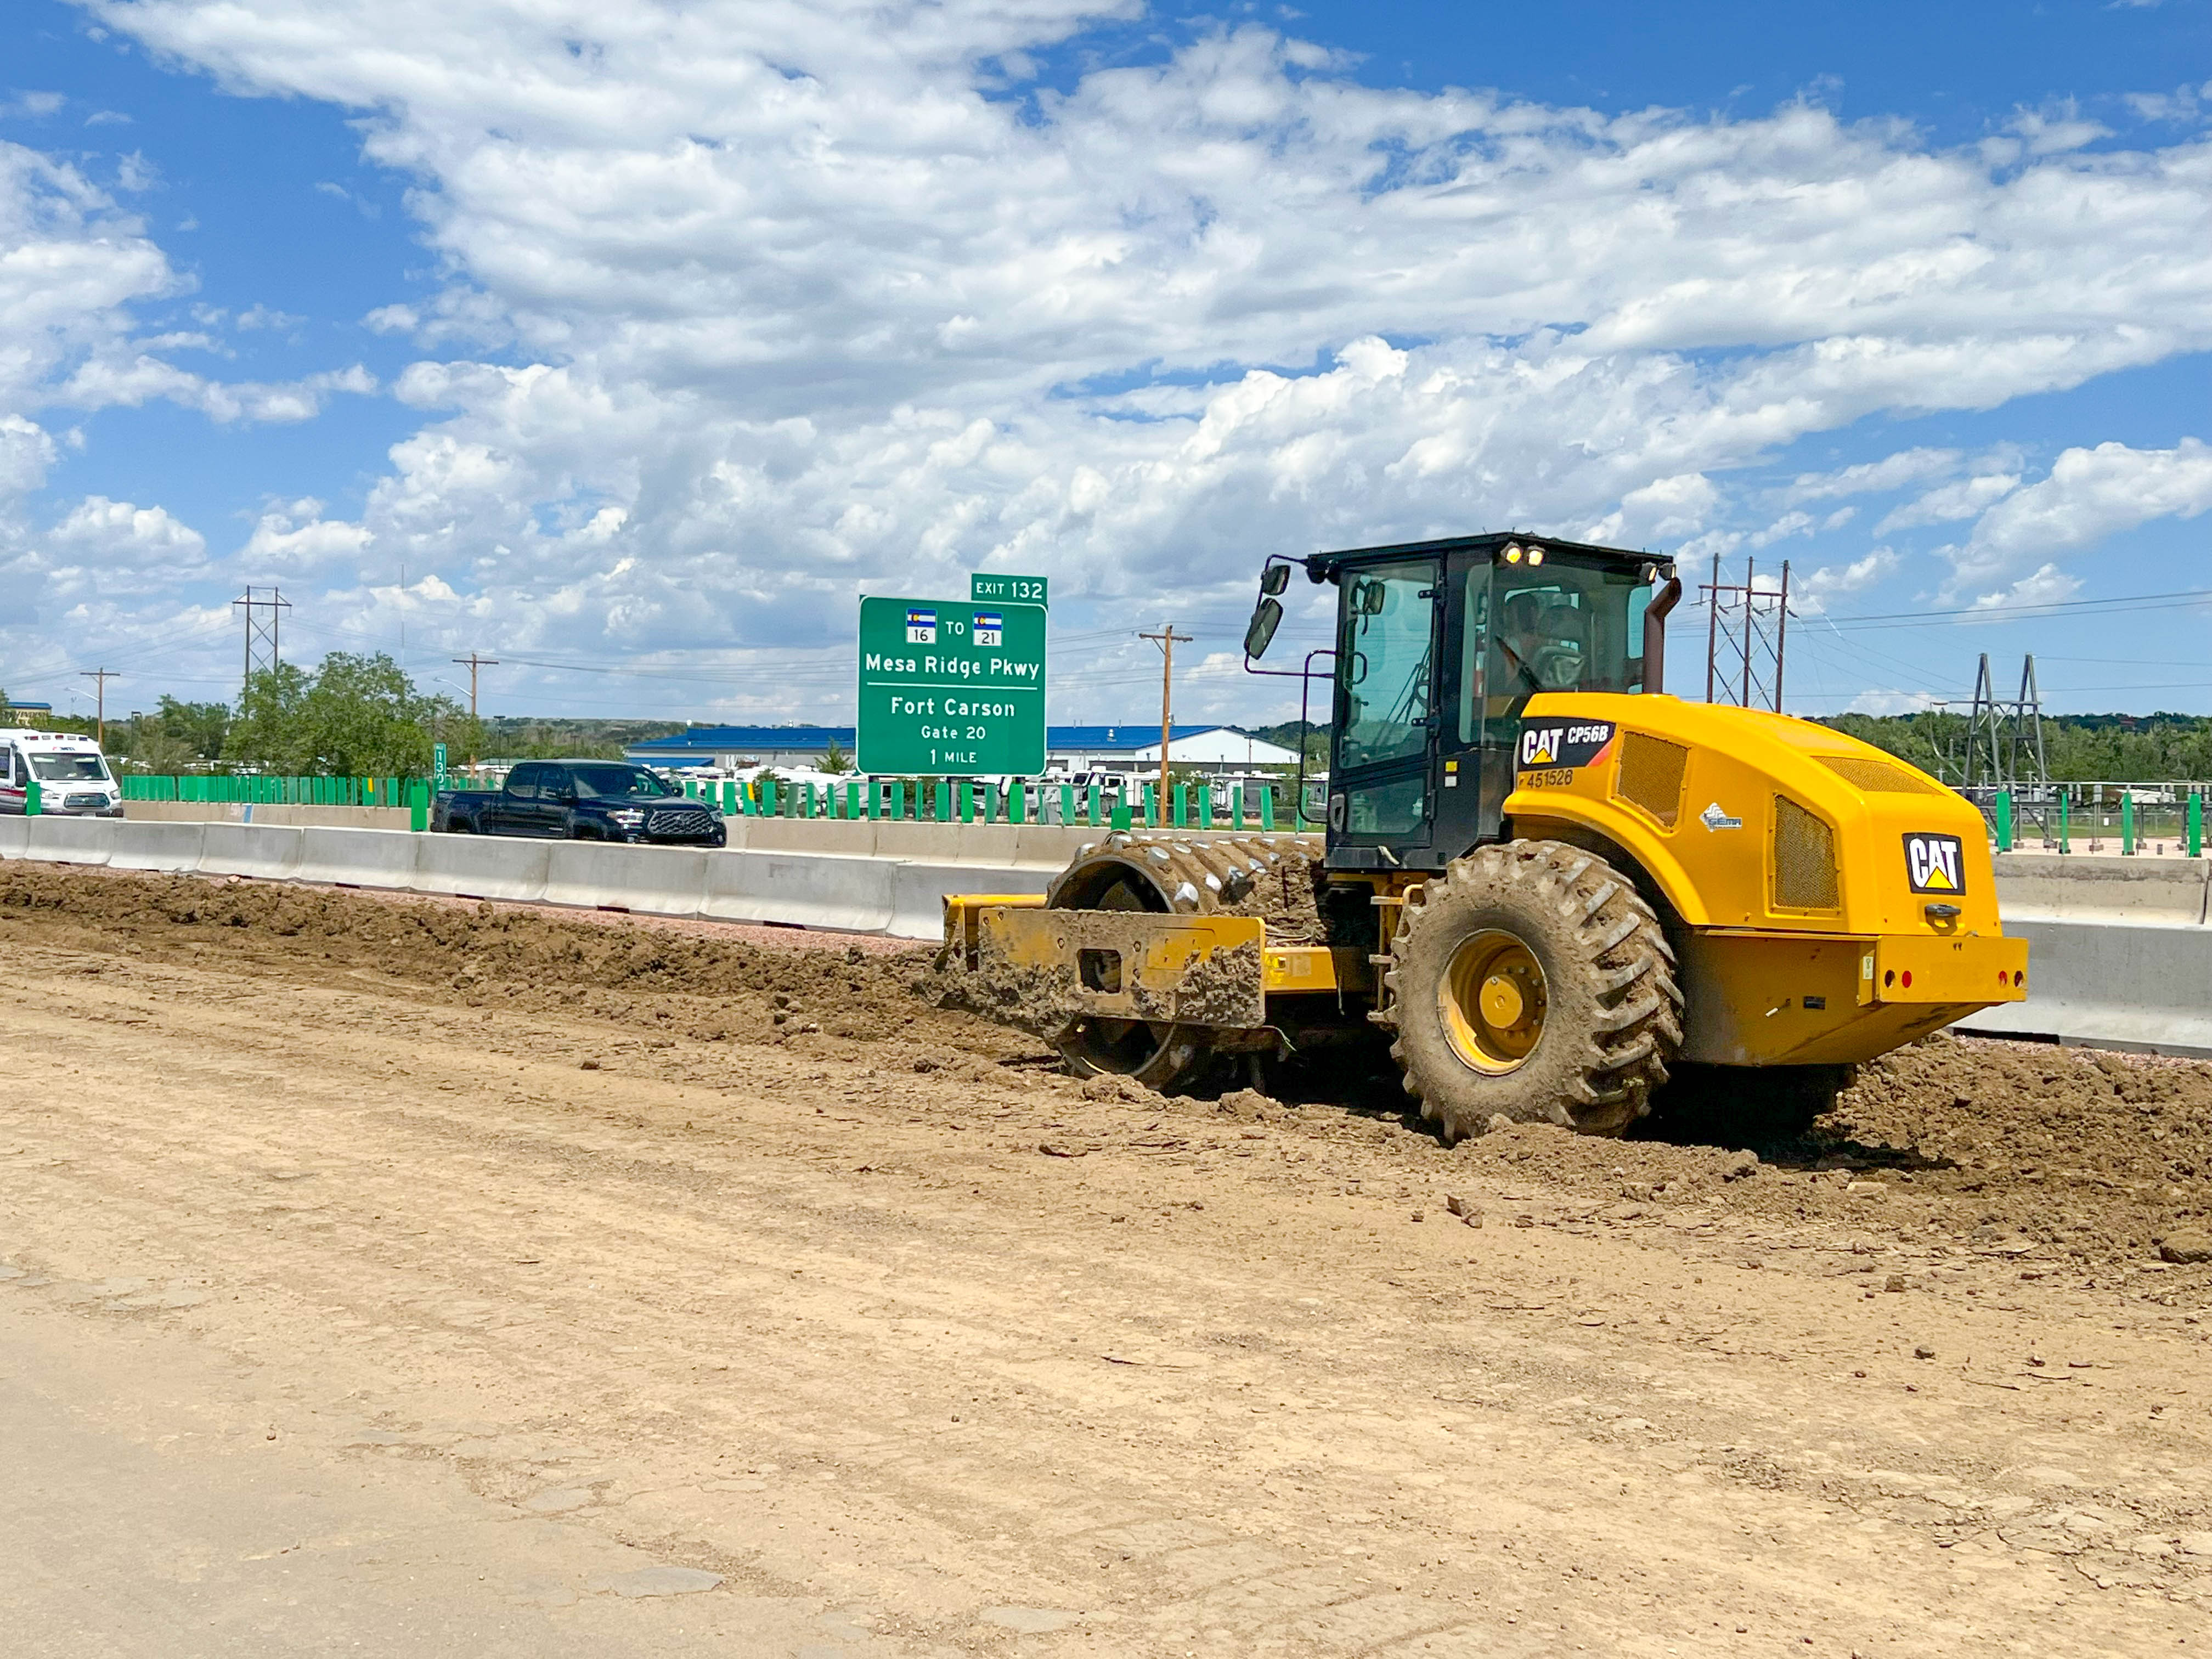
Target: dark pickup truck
x=581, y=801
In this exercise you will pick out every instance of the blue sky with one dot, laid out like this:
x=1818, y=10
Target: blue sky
x=630, y=349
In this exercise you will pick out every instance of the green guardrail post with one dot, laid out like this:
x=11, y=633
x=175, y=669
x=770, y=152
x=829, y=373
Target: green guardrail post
x=1267, y=807
x=2127, y=823
x=1017, y=802
x=2004, y=820
x=1090, y=806
x=1119, y=818
x=1206, y=806
x=962, y=802
x=418, y=806
x=1180, y=805
x=2065, y=817
x=2194, y=827
x=34, y=800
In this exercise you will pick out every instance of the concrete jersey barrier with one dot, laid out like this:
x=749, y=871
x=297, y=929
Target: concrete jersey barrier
x=2169, y=891
x=169, y=847
x=357, y=858
x=265, y=852
x=59, y=840
x=851, y=895
x=478, y=867
x=2107, y=984
x=598, y=875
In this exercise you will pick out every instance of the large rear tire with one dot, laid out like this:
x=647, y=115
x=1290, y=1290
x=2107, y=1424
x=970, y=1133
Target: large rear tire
x=1531, y=981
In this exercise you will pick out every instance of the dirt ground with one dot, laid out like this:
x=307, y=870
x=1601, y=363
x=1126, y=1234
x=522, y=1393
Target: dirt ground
x=721, y=1254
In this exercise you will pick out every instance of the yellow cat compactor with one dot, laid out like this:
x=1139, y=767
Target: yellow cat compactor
x=1549, y=881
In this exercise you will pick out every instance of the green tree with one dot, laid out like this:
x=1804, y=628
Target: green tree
x=201, y=727
x=175, y=738
x=355, y=716
x=835, y=759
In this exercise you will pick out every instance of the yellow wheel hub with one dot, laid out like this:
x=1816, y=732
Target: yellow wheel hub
x=1492, y=1001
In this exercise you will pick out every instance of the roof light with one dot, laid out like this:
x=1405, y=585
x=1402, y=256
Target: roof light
x=1512, y=552
x=1535, y=555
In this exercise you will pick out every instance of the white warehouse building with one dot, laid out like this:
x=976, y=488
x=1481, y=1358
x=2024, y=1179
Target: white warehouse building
x=1217, y=749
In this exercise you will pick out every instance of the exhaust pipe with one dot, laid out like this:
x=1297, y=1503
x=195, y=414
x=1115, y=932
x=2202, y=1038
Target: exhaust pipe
x=1654, y=636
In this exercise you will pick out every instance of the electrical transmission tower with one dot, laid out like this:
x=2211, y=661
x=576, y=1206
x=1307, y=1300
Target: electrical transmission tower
x=265, y=622
x=2002, y=746
x=1747, y=629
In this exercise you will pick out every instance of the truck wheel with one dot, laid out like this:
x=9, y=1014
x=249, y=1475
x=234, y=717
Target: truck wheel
x=1530, y=981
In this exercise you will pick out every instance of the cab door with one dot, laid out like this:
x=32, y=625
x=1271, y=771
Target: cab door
x=1382, y=793
x=556, y=795
x=504, y=813
x=15, y=772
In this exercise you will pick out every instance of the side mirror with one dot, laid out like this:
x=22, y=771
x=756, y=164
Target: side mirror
x=1274, y=578
x=1267, y=616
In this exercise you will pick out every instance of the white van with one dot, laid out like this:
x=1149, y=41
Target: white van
x=72, y=774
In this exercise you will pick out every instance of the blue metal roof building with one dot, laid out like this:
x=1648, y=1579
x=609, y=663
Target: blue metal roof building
x=803, y=745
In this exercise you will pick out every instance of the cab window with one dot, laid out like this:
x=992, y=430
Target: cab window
x=1555, y=627
x=592, y=780
x=69, y=768
x=522, y=782
x=1389, y=615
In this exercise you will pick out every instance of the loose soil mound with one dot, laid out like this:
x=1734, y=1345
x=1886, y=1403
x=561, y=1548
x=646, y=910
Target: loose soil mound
x=2062, y=1158
x=2072, y=1161
x=689, y=980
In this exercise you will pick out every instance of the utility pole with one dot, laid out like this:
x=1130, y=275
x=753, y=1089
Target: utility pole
x=472, y=662
x=1165, y=639
x=264, y=620
x=1746, y=628
x=101, y=676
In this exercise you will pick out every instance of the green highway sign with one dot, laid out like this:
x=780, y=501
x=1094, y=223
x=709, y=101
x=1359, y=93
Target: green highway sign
x=1006, y=590
x=952, y=687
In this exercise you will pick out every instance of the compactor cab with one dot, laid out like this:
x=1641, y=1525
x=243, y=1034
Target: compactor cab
x=1439, y=647
x=1546, y=879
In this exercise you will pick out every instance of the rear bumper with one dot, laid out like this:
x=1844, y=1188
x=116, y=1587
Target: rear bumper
x=1776, y=999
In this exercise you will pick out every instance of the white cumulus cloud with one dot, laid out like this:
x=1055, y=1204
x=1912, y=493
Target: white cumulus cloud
x=2088, y=495
x=750, y=304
